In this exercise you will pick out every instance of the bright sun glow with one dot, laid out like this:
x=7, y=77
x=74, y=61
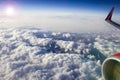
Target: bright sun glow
x=10, y=11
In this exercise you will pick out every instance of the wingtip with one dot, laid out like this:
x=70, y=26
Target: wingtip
x=109, y=16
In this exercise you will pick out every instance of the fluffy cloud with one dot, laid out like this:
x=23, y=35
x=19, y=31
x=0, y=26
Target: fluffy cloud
x=35, y=54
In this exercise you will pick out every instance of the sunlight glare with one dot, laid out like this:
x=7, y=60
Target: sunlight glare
x=10, y=11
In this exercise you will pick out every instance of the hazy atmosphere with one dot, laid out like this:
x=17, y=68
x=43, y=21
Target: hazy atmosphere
x=57, y=15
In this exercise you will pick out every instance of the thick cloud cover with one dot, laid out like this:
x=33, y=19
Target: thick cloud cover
x=35, y=54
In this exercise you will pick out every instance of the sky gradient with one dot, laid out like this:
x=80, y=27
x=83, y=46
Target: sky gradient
x=97, y=5
x=59, y=15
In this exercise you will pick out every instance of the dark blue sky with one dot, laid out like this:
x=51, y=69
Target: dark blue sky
x=71, y=4
x=95, y=5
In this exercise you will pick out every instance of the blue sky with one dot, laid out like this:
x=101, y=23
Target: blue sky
x=59, y=15
x=95, y=5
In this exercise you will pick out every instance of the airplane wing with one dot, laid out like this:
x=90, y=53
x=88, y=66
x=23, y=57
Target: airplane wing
x=111, y=65
x=109, y=17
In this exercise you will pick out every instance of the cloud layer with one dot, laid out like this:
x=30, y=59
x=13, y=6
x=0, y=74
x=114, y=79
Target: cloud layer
x=35, y=54
x=59, y=21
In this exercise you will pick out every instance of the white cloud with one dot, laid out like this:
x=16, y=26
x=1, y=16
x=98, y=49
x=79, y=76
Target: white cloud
x=27, y=54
